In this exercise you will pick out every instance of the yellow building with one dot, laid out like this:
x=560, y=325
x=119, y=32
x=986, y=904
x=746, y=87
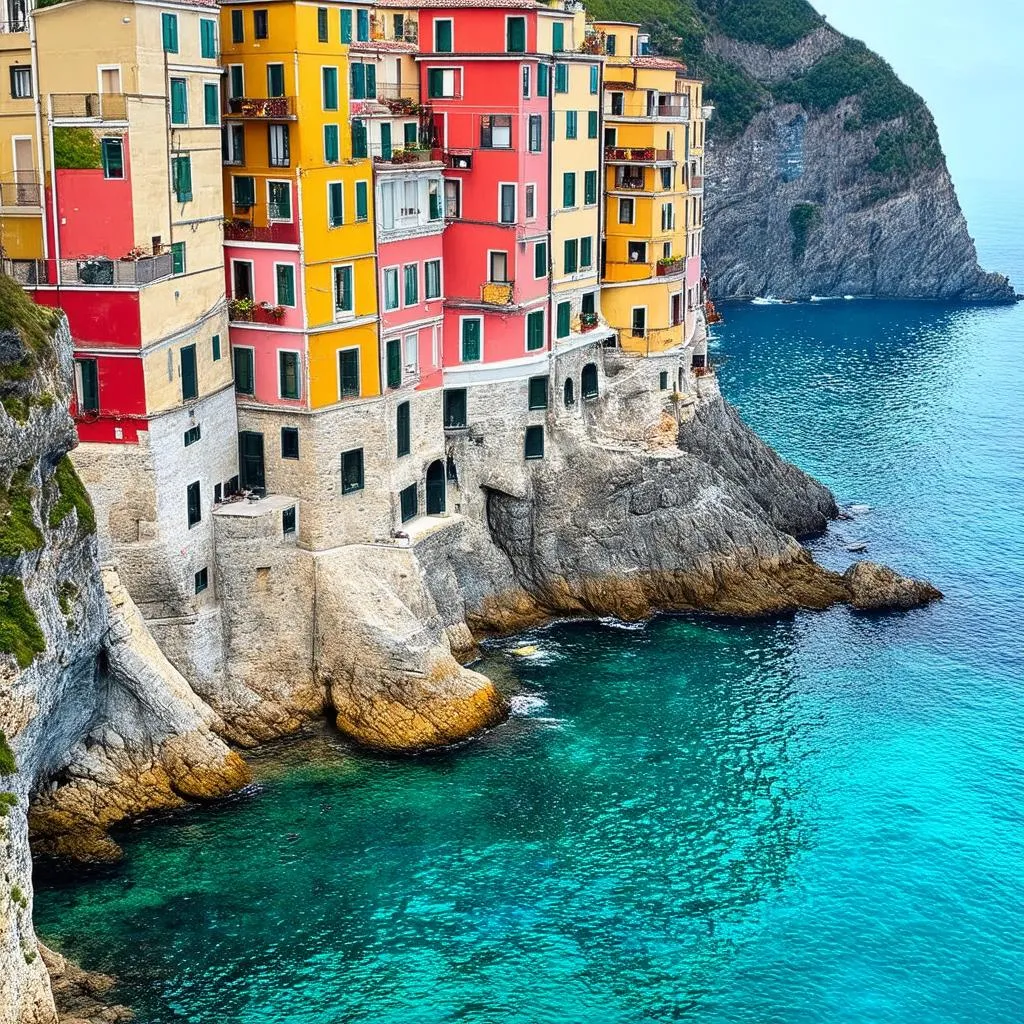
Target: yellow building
x=652, y=120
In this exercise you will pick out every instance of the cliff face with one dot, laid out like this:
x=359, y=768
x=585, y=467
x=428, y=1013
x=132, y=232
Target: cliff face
x=824, y=173
x=94, y=723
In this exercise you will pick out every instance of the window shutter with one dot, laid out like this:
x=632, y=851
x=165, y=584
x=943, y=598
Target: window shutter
x=564, y=320
x=443, y=34
x=348, y=362
x=394, y=364
x=410, y=134
x=182, y=168
x=335, y=214
x=386, y=151
x=371, y=82
x=343, y=288
x=590, y=187
x=179, y=101
x=211, y=103
x=216, y=347
x=208, y=30
x=90, y=385
x=569, y=260
x=169, y=25
x=288, y=364
x=359, y=146
x=516, y=39
x=586, y=251
x=362, y=25
x=177, y=257
x=535, y=331
x=538, y=393
x=540, y=260
x=591, y=124
x=346, y=26
x=285, y=285
x=330, y=76
x=331, y=150
x=561, y=78
x=321, y=24
x=558, y=37
x=543, y=77
x=403, y=424
x=470, y=340
x=362, y=201
x=242, y=359
x=357, y=81
x=595, y=79
x=412, y=284
x=569, y=189
x=237, y=27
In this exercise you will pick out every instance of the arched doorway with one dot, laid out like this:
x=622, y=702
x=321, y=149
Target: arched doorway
x=435, y=488
x=570, y=393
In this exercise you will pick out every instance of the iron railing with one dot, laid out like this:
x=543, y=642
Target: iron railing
x=267, y=108
x=21, y=193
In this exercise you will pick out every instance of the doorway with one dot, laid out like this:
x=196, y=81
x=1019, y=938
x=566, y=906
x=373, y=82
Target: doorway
x=435, y=488
x=250, y=460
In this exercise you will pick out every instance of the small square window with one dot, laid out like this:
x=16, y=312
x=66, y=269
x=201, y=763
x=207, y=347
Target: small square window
x=455, y=411
x=533, y=447
x=21, y=82
x=352, y=471
x=663, y=380
x=539, y=392
x=288, y=521
x=289, y=442
x=202, y=580
x=192, y=435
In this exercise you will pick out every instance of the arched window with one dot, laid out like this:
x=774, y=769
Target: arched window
x=570, y=393
x=588, y=381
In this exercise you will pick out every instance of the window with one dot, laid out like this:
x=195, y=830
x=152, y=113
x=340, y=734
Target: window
x=335, y=204
x=208, y=38
x=332, y=149
x=288, y=373
x=558, y=37
x=330, y=88
x=412, y=283
x=533, y=447
x=393, y=363
x=570, y=256
x=637, y=252
x=21, y=81
x=442, y=35
x=543, y=78
x=455, y=408
x=284, y=284
x=242, y=272
x=410, y=133
x=588, y=381
x=275, y=79
x=348, y=372
x=362, y=201
x=189, y=377
x=192, y=435
x=195, y=512
x=289, y=442
x=233, y=144
x=360, y=145
x=218, y=492
x=563, y=319
x=169, y=27
x=181, y=176
x=243, y=191
x=538, y=392
x=237, y=27
x=515, y=35
x=211, y=103
x=561, y=78
x=569, y=393
x=507, y=204
x=87, y=385
x=408, y=502
x=540, y=260
x=215, y=347
x=626, y=211
x=432, y=279
x=202, y=579
x=362, y=25
x=441, y=83
x=496, y=131
x=536, y=133
x=530, y=201
x=403, y=425
x=344, y=302
x=452, y=199
x=618, y=103
x=571, y=124
x=236, y=80
x=569, y=189
x=352, y=471
x=535, y=330
x=526, y=81
x=434, y=198
x=279, y=201
x=609, y=45
x=472, y=329
x=595, y=79
x=411, y=344
x=497, y=271
x=260, y=25
x=589, y=188
x=245, y=375
x=321, y=24
x=346, y=26
x=591, y=124
x=586, y=253
x=288, y=521
x=663, y=380
x=179, y=101
x=177, y=257
x=278, y=145
x=391, y=300
x=587, y=304
x=666, y=177
x=112, y=152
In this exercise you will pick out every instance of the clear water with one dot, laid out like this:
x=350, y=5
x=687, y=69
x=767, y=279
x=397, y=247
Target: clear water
x=817, y=819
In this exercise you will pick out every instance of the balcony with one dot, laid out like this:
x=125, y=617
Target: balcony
x=408, y=155
x=273, y=108
x=630, y=183
x=674, y=266
x=21, y=193
x=650, y=339
x=697, y=183
x=127, y=272
x=27, y=273
x=498, y=293
x=679, y=111
x=275, y=233
x=18, y=22
x=93, y=106
x=246, y=311
x=384, y=30
x=637, y=155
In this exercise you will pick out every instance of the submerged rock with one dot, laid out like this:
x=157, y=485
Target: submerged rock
x=874, y=587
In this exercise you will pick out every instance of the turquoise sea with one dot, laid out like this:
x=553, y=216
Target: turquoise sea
x=819, y=819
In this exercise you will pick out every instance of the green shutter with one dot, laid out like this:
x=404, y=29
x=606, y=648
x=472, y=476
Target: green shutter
x=181, y=167
x=216, y=348
x=343, y=289
x=288, y=366
x=113, y=158
x=208, y=37
x=332, y=151
x=564, y=320
x=569, y=261
x=595, y=79
x=359, y=143
x=275, y=79
x=443, y=35
x=362, y=201
x=371, y=81
x=571, y=124
x=543, y=77
x=348, y=366
x=362, y=25
x=357, y=81
x=211, y=102
x=470, y=340
x=330, y=78
x=335, y=201
x=558, y=37
x=237, y=73
x=586, y=252
x=412, y=284
x=385, y=141
x=189, y=376
x=179, y=101
x=590, y=187
x=394, y=364
x=540, y=260
x=243, y=363
x=169, y=26
x=538, y=392
x=410, y=133
x=533, y=447
x=516, y=37
x=346, y=26
x=321, y=24
x=237, y=27
x=535, y=331
x=569, y=189
x=177, y=257
x=561, y=78
x=435, y=83
x=591, y=124
x=285, y=284
x=403, y=425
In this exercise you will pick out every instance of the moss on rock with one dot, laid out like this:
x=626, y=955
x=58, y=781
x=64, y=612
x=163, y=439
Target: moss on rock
x=71, y=495
x=18, y=530
x=8, y=766
x=20, y=634
x=802, y=219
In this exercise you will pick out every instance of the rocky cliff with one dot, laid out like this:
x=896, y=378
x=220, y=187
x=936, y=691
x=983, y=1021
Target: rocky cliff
x=824, y=173
x=94, y=723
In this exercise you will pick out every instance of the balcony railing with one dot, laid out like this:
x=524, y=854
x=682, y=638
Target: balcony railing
x=631, y=184
x=245, y=311
x=280, y=232
x=272, y=108
x=76, y=106
x=636, y=154
x=26, y=272
x=21, y=193
x=498, y=293
x=672, y=267
x=19, y=23
x=408, y=155
x=680, y=110
x=103, y=272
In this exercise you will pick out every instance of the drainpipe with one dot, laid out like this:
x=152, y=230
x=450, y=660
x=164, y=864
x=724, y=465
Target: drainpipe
x=551, y=254
x=39, y=137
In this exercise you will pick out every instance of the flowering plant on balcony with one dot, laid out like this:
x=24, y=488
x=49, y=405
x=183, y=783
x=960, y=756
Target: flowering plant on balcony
x=241, y=309
x=593, y=43
x=136, y=253
x=273, y=312
x=671, y=261
x=588, y=321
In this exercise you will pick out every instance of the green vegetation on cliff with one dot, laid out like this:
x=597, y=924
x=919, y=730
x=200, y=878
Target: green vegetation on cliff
x=71, y=495
x=8, y=766
x=802, y=219
x=18, y=530
x=20, y=634
x=774, y=23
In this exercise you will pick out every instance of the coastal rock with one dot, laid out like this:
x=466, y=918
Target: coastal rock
x=874, y=587
x=81, y=996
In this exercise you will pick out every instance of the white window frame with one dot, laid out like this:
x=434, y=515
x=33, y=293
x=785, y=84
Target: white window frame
x=384, y=288
x=342, y=314
x=252, y=274
x=508, y=263
x=527, y=216
x=545, y=333
x=413, y=368
x=462, y=320
x=337, y=367
x=291, y=201
x=295, y=283
x=327, y=188
x=632, y=209
x=435, y=347
x=440, y=280
x=298, y=375
x=405, y=267
x=515, y=192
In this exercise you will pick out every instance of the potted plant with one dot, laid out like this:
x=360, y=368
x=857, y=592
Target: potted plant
x=136, y=253
x=241, y=309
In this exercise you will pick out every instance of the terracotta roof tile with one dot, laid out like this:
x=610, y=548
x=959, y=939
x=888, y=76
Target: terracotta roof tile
x=383, y=44
x=658, y=63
